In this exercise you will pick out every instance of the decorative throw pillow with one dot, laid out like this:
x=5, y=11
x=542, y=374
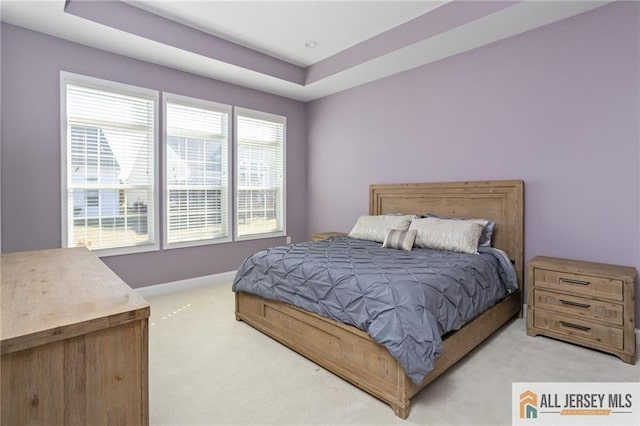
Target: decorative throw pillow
x=447, y=234
x=375, y=228
x=487, y=231
x=397, y=239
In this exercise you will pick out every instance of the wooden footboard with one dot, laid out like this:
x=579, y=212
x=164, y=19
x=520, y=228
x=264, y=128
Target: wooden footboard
x=351, y=354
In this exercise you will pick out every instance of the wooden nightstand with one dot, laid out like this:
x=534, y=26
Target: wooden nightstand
x=322, y=235
x=590, y=304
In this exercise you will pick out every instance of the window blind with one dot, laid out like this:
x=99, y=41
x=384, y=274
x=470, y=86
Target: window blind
x=260, y=173
x=110, y=173
x=197, y=171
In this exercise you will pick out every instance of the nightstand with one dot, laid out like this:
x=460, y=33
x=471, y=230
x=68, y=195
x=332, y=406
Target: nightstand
x=586, y=303
x=323, y=235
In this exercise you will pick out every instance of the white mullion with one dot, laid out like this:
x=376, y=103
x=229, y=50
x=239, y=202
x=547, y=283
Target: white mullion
x=86, y=158
x=86, y=216
x=194, y=187
x=84, y=122
x=99, y=219
x=187, y=192
x=115, y=223
x=104, y=186
x=126, y=214
x=208, y=224
x=188, y=210
x=251, y=207
x=186, y=133
x=98, y=168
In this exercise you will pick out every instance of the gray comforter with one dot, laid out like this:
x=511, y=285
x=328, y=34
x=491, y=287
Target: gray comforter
x=405, y=300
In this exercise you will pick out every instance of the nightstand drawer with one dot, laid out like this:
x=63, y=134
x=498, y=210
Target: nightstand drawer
x=579, y=328
x=587, y=308
x=578, y=284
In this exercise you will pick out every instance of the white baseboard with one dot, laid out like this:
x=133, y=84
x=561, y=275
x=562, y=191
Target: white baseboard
x=190, y=283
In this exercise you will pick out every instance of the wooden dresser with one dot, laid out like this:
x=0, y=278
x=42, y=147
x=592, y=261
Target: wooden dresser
x=590, y=304
x=74, y=342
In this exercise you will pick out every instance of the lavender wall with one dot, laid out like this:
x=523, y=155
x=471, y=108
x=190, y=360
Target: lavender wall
x=557, y=107
x=31, y=194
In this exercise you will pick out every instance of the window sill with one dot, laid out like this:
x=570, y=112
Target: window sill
x=143, y=248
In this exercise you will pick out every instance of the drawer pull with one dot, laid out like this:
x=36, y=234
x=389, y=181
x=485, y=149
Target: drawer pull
x=576, y=326
x=576, y=304
x=570, y=281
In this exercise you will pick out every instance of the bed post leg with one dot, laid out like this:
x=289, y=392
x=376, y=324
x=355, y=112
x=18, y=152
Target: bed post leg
x=401, y=411
x=237, y=306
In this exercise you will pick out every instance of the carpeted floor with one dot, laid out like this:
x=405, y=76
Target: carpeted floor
x=207, y=368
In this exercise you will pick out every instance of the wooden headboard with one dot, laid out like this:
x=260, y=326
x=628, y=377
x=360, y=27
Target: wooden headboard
x=501, y=200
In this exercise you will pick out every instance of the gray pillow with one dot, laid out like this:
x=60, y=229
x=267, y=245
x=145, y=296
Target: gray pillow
x=398, y=239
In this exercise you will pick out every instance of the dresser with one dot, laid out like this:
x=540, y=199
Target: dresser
x=74, y=342
x=586, y=303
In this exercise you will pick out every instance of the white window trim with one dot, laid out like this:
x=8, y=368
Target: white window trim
x=67, y=77
x=271, y=117
x=167, y=97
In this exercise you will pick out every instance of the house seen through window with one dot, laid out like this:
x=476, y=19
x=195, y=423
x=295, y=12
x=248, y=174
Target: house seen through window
x=110, y=171
x=260, y=198
x=197, y=171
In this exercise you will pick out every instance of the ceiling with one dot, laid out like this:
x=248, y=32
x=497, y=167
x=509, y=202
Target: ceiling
x=334, y=25
x=261, y=44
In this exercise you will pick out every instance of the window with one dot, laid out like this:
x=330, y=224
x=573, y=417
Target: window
x=108, y=155
x=259, y=156
x=196, y=172
x=109, y=169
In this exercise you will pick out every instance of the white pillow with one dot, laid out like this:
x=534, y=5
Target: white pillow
x=487, y=231
x=447, y=234
x=375, y=228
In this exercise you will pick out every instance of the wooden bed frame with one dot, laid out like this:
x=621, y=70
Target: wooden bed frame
x=349, y=352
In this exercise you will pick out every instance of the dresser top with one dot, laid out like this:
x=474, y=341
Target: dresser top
x=626, y=273
x=49, y=295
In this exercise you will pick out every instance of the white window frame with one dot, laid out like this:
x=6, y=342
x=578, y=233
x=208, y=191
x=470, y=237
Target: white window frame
x=260, y=115
x=197, y=103
x=154, y=218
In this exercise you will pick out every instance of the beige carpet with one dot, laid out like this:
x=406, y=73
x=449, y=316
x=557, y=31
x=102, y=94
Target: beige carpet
x=206, y=368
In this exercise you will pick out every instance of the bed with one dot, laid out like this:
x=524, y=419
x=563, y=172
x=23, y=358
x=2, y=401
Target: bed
x=350, y=352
